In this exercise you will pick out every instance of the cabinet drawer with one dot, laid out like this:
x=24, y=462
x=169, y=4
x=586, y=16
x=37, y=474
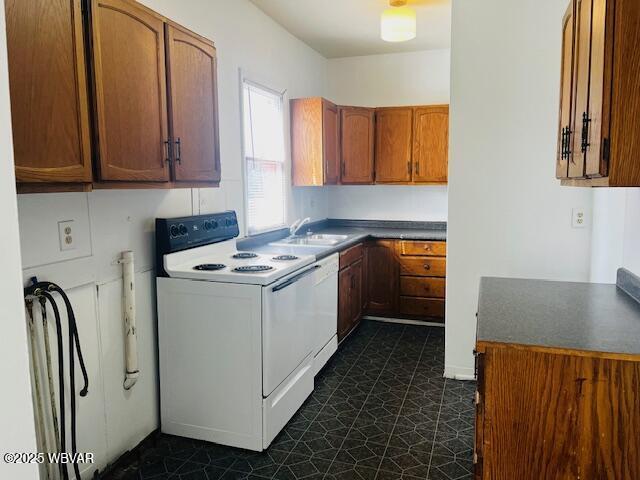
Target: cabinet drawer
x=350, y=255
x=422, y=307
x=413, y=247
x=422, y=287
x=423, y=266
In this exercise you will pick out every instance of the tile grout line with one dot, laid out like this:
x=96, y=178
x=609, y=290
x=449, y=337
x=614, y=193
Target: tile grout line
x=326, y=401
x=365, y=400
x=413, y=374
x=435, y=433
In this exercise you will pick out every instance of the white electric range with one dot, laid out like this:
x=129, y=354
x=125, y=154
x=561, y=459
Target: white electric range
x=235, y=344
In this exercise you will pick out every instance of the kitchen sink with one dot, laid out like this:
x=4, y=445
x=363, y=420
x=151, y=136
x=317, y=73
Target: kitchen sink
x=313, y=240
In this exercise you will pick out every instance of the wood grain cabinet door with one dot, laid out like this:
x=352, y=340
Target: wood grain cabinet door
x=356, y=293
x=581, y=59
x=565, y=129
x=356, y=150
x=130, y=84
x=393, y=145
x=330, y=143
x=193, y=106
x=431, y=144
x=345, y=308
x=49, y=107
x=382, y=277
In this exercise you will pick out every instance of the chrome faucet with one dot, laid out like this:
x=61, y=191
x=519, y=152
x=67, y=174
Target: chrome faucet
x=297, y=225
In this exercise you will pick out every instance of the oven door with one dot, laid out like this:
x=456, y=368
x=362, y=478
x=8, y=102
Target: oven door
x=287, y=326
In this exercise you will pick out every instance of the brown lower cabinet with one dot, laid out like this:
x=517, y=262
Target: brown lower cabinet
x=350, y=290
x=391, y=279
x=554, y=413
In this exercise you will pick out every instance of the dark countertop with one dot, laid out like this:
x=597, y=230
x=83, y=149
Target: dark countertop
x=577, y=316
x=356, y=230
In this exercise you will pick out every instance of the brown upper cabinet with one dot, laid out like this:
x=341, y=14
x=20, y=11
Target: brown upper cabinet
x=598, y=141
x=152, y=90
x=193, y=105
x=394, y=128
x=362, y=146
x=431, y=144
x=49, y=105
x=412, y=144
x=357, y=145
x=315, y=135
x=131, y=92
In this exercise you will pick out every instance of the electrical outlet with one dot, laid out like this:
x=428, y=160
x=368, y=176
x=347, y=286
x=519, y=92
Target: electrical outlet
x=65, y=235
x=578, y=218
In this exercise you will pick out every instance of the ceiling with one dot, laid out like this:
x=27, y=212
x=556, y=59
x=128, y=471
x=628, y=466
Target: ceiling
x=346, y=28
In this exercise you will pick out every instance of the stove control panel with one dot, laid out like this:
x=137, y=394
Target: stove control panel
x=175, y=234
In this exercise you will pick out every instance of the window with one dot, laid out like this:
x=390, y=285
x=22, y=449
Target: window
x=264, y=157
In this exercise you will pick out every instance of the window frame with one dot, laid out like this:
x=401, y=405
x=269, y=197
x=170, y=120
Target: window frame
x=244, y=78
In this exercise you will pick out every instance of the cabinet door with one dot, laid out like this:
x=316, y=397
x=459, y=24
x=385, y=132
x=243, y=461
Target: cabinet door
x=431, y=144
x=356, y=293
x=595, y=165
x=393, y=145
x=356, y=152
x=581, y=55
x=193, y=106
x=565, y=131
x=330, y=143
x=344, y=302
x=49, y=108
x=382, y=277
x=130, y=83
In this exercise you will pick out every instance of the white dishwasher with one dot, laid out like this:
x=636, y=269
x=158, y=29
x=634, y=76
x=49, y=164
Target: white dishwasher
x=325, y=310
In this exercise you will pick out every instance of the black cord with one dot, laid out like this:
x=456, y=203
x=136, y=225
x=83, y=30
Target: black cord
x=42, y=289
x=63, y=436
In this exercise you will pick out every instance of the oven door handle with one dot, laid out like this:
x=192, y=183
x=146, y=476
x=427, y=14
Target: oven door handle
x=295, y=278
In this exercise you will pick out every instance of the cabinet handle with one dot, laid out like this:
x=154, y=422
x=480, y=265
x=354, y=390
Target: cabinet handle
x=409, y=167
x=178, y=150
x=427, y=248
x=427, y=266
x=585, y=132
x=417, y=168
x=167, y=147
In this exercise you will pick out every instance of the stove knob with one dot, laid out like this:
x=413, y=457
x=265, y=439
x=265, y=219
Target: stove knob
x=214, y=224
x=183, y=229
x=231, y=221
x=207, y=225
x=174, y=231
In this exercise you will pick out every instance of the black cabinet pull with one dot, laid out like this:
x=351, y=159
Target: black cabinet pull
x=178, y=152
x=585, y=132
x=167, y=148
x=566, y=143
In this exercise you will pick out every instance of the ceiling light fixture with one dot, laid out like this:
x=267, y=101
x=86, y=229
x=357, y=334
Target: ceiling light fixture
x=398, y=23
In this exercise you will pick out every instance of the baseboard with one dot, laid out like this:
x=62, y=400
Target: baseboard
x=459, y=373
x=403, y=320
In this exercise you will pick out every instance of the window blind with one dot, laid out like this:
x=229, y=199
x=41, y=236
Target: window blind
x=264, y=158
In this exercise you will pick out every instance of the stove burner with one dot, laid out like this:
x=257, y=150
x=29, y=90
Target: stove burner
x=209, y=266
x=245, y=255
x=285, y=257
x=253, y=269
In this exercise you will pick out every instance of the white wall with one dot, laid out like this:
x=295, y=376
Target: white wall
x=616, y=233
x=110, y=221
x=388, y=202
x=414, y=78
x=508, y=216
x=17, y=431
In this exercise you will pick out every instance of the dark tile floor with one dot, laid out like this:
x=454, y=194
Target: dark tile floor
x=380, y=410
